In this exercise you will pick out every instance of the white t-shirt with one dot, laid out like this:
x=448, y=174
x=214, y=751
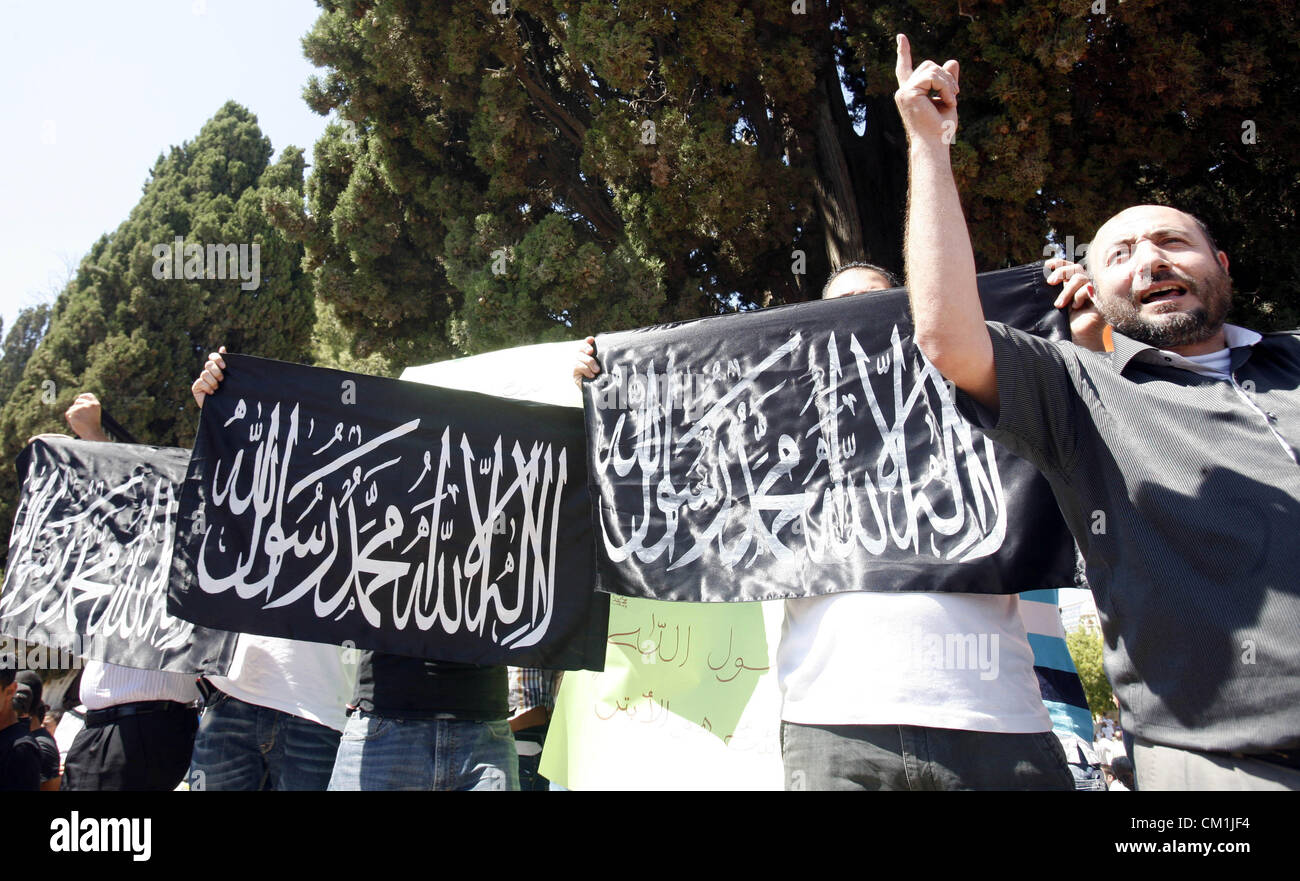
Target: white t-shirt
x=936, y=660
x=105, y=685
x=1218, y=362
x=306, y=679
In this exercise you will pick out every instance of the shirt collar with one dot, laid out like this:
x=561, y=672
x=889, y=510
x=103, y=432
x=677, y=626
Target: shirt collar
x=1127, y=350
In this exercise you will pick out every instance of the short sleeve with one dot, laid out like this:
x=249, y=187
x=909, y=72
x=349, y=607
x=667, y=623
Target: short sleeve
x=1036, y=399
x=49, y=758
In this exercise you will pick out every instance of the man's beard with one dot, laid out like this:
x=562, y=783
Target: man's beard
x=1173, y=329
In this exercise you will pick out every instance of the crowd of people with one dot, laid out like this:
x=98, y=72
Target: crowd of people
x=1182, y=434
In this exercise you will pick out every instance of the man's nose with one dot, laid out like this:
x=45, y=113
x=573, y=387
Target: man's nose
x=1148, y=259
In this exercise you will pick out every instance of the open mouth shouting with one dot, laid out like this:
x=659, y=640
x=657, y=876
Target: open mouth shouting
x=1162, y=292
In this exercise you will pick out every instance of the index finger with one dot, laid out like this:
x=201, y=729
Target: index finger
x=903, y=66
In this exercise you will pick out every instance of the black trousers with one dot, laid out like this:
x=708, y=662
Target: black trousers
x=908, y=757
x=145, y=752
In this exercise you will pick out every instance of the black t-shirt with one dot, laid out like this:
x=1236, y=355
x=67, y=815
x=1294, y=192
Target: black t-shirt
x=20, y=759
x=400, y=687
x=49, y=754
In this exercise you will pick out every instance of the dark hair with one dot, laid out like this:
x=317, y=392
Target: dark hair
x=32, y=680
x=1205, y=230
x=7, y=675
x=860, y=264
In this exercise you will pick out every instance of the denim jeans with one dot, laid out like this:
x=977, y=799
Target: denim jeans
x=379, y=753
x=903, y=757
x=242, y=747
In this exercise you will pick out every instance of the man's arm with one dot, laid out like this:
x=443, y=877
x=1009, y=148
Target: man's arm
x=50, y=774
x=940, y=264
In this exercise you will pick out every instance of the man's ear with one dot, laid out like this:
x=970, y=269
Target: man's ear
x=1223, y=260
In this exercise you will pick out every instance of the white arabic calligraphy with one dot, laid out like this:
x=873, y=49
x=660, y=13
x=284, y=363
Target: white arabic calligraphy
x=714, y=483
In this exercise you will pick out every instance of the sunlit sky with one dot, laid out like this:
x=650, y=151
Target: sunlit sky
x=93, y=92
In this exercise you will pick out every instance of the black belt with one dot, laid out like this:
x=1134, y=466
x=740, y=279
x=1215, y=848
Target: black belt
x=136, y=708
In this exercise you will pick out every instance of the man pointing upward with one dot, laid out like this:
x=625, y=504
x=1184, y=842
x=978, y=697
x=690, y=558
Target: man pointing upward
x=1173, y=460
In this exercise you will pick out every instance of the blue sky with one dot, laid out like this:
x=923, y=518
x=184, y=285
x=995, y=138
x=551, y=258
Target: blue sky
x=94, y=91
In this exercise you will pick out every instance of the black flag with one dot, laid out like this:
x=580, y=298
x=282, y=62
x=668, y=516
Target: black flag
x=811, y=449
x=90, y=555
x=342, y=508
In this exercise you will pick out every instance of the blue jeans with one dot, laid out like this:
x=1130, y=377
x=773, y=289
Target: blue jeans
x=379, y=753
x=242, y=747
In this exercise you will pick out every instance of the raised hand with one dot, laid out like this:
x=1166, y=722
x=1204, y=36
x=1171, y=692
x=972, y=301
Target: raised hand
x=586, y=366
x=84, y=418
x=926, y=96
x=210, y=379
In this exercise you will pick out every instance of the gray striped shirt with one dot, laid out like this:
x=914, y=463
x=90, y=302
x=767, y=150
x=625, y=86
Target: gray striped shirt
x=1182, y=488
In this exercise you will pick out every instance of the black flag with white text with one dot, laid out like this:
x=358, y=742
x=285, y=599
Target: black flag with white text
x=343, y=508
x=811, y=449
x=90, y=555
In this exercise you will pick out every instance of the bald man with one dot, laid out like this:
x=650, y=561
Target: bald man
x=1173, y=458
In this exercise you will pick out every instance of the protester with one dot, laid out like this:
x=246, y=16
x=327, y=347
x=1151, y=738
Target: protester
x=140, y=724
x=20, y=757
x=415, y=723
x=855, y=717
x=1173, y=460
x=32, y=711
x=273, y=723
x=531, y=698
x=1085, y=766
x=1120, y=776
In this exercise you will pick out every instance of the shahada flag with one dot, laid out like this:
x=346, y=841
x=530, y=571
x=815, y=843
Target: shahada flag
x=90, y=555
x=342, y=508
x=810, y=449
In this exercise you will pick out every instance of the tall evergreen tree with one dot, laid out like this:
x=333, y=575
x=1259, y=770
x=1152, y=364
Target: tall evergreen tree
x=137, y=340
x=27, y=332
x=516, y=171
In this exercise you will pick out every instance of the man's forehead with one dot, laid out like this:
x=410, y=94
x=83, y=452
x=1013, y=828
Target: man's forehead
x=855, y=281
x=1133, y=223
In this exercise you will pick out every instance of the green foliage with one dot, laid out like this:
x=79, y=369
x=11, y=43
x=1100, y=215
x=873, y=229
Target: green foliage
x=571, y=167
x=136, y=340
x=1069, y=116
x=1086, y=650
x=333, y=346
x=27, y=331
